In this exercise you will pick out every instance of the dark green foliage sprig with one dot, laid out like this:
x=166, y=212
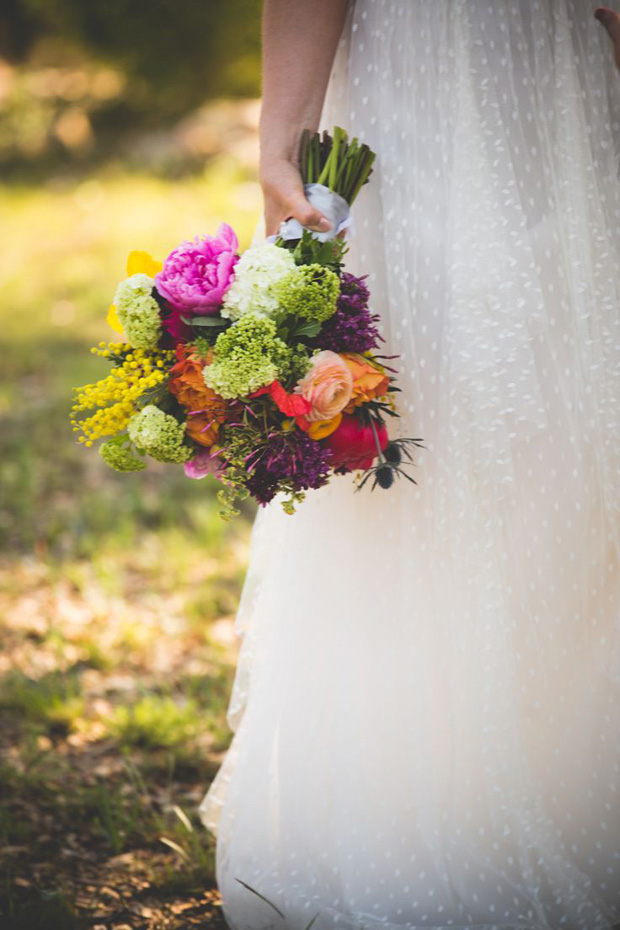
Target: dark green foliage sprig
x=238, y=440
x=259, y=420
x=310, y=251
x=206, y=329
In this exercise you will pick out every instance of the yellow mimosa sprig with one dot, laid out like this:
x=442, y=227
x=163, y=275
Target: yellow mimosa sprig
x=116, y=398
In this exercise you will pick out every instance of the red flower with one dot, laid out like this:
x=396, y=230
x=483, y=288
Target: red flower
x=354, y=446
x=293, y=405
x=175, y=327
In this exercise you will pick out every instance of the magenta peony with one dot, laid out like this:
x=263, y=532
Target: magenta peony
x=197, y=273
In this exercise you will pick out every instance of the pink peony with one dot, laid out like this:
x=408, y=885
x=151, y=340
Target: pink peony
x=205, y=462
x=197, y=274
x=327, y=386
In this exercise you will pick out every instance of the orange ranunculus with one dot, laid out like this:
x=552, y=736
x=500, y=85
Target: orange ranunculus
x=206, y=409
x=326, y=386
x=322, y=428
x=369, y=379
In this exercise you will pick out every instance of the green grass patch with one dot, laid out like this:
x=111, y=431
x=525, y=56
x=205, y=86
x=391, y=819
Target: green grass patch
x=44, y=910
x=155, y=722
x=54, y=701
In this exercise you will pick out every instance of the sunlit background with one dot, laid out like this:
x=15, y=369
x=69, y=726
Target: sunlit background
x=126, y=124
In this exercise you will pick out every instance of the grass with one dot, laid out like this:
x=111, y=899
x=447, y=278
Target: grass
x=54, y=702
x=155, y=722
x=117, y=593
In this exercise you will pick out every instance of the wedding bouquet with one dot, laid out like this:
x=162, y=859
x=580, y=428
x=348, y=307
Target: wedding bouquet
x=261, y=368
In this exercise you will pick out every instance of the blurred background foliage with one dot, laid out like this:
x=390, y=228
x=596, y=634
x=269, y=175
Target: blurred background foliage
x=124, y=124
x=79, y=79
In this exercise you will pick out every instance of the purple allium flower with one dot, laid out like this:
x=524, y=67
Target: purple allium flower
x=352, y=328
x=290, y=456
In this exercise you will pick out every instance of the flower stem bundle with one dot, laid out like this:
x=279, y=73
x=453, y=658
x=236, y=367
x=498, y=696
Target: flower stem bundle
x=341, y=165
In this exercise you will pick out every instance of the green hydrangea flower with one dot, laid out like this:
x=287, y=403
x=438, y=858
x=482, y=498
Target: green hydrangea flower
x=138, y=311
x=310, y=291
x=247, y=356
x=118, y=456
x=295, y=366
x=159, y=435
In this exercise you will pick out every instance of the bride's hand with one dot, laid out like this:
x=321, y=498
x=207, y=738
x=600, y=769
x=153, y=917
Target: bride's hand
x=283, y=191
x=611, y=22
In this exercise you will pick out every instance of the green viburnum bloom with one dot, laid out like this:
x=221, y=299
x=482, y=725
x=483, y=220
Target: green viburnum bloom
x=295, y=366
x=138, y=311
x=247, y=356
x=309, y=291
x=118, y=456
x=159, y=435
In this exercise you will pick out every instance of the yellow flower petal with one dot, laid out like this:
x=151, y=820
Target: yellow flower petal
x=323, y=428
x=142, y=263
x=113, y=320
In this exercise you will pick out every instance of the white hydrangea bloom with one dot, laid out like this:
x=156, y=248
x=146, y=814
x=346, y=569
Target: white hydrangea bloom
x=138, y=311
x=256, y=273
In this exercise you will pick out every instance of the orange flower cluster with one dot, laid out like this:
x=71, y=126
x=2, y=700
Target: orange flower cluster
x=206, y=410
x=369, y=379
x=321, y=387
x=370, y=382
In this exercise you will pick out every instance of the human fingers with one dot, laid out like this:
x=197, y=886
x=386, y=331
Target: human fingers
x=284, y=198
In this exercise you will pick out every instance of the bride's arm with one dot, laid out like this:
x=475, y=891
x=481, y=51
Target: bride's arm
x=300, y=38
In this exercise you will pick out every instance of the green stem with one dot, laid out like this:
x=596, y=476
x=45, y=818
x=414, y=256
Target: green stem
x=342, y=165
x=376, y=435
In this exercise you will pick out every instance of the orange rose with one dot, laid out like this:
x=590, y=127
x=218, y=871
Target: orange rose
x=369, y=379
x=206, y=409
x=202, y=428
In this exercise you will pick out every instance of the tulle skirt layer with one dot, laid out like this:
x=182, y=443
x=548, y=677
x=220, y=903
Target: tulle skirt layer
x=426, y=703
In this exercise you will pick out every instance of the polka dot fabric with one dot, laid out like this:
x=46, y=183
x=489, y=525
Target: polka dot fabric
x=426, y=707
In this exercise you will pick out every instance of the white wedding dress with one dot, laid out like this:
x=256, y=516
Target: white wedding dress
x=427, y=702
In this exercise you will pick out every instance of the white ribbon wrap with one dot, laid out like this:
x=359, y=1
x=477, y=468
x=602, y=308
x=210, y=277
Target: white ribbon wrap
x=331, y=205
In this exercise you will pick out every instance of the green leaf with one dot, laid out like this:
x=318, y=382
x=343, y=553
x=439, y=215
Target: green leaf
x=205, y=321
x=310, y=328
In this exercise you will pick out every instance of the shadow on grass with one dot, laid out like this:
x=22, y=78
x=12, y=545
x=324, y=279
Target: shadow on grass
x=44, y=911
